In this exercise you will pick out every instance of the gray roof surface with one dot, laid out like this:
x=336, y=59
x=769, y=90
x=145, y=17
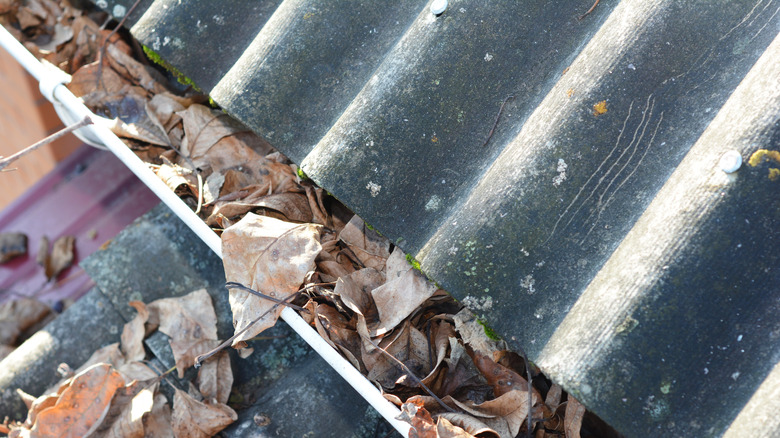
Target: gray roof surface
x=613, y=248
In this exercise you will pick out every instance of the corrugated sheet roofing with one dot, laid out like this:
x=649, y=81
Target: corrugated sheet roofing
x=588, y=218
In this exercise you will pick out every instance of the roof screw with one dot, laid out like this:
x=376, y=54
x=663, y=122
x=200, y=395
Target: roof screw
x=438, y=7
x=730, y=162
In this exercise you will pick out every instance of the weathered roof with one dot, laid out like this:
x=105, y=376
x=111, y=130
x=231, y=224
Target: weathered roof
x=595, y=228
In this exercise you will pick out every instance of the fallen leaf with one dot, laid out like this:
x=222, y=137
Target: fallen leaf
x=157, y=423
x=81, y=406
x=473, y=333
x=133, y=333
x=194, y=419
x=410, y=346
x=469, y=424
x=572, y=420
x=190, y=322
x=124, y=418
x=371, y=249
x=338, y=332
x=269, y=256
x=18, y=315
x=420, y=420
x=61, y=258
x=504, y=414
x=398, y=298
x=12, y=245
x=215, y=377
x=203, y=128
x=502, y=379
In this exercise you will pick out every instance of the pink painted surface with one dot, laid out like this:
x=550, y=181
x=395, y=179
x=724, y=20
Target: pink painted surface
x=92, y=196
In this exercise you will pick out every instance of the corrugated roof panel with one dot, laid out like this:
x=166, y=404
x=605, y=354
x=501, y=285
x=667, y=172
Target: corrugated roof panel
x=588, y=213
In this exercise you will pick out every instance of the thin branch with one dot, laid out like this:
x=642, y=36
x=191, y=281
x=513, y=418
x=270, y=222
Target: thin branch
x=498, y=117
x=234, y=285
x=411, y=375
x=102, y=51
x=4, y=162
x=589, y=10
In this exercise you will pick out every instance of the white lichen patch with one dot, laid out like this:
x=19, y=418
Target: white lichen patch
x=374, y=188
x=528, y=284
x=561, y=169
x=478, y=303
x=488, y=57
x=119, y=11
x=433, y=204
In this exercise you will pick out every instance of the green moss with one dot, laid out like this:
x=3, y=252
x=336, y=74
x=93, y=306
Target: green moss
x=301, y=174
x=489, y=332
x=413, y=261
x=157, y=59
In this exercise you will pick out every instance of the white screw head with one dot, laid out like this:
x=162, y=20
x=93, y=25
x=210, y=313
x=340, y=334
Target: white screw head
x=438, y=7
x=730, y=162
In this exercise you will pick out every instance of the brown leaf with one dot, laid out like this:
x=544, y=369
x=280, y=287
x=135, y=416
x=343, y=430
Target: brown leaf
x=473, y=333
x=215, y=378
x=294, y=207
x=399, y=297
x=502, y=379
x=175, y=176
x=572, y=420
x=190, y=322
x=133, y=333
x=12, y=245
x=420, y=419
x=203, y=128
x=338, y=332
x=269, y=256
x=81, y=406
x=157, y=423
x=194, y=419
x=469, y=424
x=504, y=414
x=371, y=249
x=409, y=346
x=355, y=292
x=445, y=429
x=62, y=255
x=19, y=315
x=124, y=418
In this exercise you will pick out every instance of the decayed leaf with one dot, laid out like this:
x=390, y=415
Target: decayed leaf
x=502, y=379
x=572, y=421
x=81, y=406
x=12, y=245
x=421, y=421
x=215, y=378
x=473, y=333
x=190, y=322
x=468, y=424
x=445, y=429
x=18, y=315
x=409, y=346
x=398, y=298
x=194, y=419
x=269, y=256
x=124, y=418
x=338, y=332
x=133, y=333
x=504, y=414
x=157, y=423
x=371, y=249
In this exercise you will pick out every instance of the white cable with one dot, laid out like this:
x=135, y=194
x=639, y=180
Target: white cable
x=77, y=108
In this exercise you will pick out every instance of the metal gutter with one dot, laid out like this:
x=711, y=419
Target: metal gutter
x=50, y=81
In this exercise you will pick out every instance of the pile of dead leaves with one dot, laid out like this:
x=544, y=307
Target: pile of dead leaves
x=285, y=242
x=117, y=394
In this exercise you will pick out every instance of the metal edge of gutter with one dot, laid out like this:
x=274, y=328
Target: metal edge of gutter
x=50, y=79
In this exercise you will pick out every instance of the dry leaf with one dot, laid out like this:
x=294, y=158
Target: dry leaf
x=398, y=298
x=194, y=419
x=133, y=333
x=468, y=424
x=157, y=423
x=504, y=414
x=203, y=128
x=473, y=333
x=60, y=258
x=81, y=406
x=420, y=419
x=500, y=378
x=19, y=315
x=269, y=256
x=410, y=346
x=190, y=322
x=445, y=429
x=124, y=418
x=371, y=249
x=572, y=420
x=12, y=245
x=215, y=377
x=338, y=332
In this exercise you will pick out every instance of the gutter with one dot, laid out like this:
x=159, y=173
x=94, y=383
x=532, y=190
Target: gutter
x=50, y=81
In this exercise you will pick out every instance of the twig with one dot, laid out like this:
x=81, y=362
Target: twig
x=4, y=162
x=234, y=285
x=589, y=10
x=498, y=116
x=203, y=357
x=102, y=51
x=529, y=414
x=412, y=376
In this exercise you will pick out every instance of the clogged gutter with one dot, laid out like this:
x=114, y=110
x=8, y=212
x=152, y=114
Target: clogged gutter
x=286, y=240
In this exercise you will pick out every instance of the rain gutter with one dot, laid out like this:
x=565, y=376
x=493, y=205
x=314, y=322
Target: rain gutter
x=50, y=80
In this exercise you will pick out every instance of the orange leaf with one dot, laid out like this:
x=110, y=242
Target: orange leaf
x=81, y=406
x=502, y=379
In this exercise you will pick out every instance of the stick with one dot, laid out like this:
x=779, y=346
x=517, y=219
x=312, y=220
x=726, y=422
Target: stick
x=234, y=285
x=498, y=116
x=4, y=162
x=589, y=10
